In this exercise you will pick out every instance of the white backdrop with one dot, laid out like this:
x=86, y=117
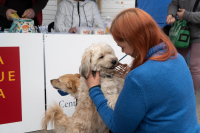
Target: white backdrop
x=32, y=81
x=63, y=54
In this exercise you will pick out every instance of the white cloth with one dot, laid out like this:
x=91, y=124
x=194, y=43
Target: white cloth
x=67, y=15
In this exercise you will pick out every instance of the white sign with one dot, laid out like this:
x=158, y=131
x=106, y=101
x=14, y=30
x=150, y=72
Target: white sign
x=32, y=81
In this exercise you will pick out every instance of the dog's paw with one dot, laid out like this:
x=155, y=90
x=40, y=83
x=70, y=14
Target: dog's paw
x=112, y=101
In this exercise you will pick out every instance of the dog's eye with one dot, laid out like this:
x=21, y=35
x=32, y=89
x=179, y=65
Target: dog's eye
x=101, y=57
x=110, y=53
x=58, y=80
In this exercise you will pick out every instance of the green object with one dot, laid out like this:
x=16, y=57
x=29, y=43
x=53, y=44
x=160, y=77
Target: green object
x=179, y=34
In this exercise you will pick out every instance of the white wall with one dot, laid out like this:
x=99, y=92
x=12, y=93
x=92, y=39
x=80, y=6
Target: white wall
x=113, y=7
x=49, y=12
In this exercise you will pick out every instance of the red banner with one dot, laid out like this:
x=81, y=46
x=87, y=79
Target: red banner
x=10, y=85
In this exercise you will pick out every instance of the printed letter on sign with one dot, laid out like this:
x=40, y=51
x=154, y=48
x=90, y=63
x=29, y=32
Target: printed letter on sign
x=1, y=94
x=10, y=85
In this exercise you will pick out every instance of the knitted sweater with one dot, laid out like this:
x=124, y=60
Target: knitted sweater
x=157, y=97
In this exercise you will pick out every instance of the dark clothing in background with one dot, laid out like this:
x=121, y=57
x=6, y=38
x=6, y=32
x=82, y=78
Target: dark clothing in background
x=20, y=6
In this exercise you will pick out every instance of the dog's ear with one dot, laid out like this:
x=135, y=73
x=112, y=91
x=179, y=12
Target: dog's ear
x=84, y=69
x=77, y=75
x=69, y=84
x=74, y=89
x=72, y=84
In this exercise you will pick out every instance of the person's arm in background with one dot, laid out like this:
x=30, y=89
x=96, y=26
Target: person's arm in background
x=59, y=22
x=5, y=12
x=37, y=6
x=193, y=17
x=172, y=10
x=97, y=16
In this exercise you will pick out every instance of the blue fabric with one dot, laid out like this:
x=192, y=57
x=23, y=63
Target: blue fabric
x=156, y=8
x=157, y=97
x=62, y=93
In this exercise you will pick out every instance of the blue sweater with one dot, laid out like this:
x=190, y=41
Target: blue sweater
x=157, y=97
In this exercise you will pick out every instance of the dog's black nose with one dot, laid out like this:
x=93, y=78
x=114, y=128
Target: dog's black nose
x=51, y=81
x=114, y=62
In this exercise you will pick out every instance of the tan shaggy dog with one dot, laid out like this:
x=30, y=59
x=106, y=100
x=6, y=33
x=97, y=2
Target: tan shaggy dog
x=85, y=119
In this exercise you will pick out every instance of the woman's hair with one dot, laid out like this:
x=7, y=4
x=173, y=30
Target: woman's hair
x=141, y=32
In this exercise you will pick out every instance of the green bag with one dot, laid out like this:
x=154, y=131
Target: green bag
x=179, y=34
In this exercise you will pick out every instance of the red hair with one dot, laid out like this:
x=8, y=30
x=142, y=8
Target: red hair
x=141, y=32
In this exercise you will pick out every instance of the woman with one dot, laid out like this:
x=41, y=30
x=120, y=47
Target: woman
x=184, y=10
x=77, y=13
x=158, y=94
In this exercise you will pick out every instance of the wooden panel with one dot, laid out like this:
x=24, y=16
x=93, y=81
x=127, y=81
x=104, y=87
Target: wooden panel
x=112, y=15
x=48, y=12
x=52, y=3
x=50, y=8
x=47, y=22
x=51, y=17
x=112, y=10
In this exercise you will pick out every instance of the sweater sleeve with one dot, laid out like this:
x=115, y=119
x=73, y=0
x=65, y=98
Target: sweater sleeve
x=173, y=8
x=3, y=10
x=129, y=110
x=193, y=17
x=59, y=22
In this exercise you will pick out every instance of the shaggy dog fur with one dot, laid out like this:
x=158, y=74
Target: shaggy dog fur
x=86, y=119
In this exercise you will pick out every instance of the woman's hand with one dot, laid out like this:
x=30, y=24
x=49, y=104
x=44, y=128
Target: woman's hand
x=92, y=81
x=180, y=13
x=29, y=13
x=9, y=12
x=170, y=19
x=73, y=30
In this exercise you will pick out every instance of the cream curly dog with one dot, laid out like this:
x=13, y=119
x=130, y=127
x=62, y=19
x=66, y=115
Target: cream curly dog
x=86, y=119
